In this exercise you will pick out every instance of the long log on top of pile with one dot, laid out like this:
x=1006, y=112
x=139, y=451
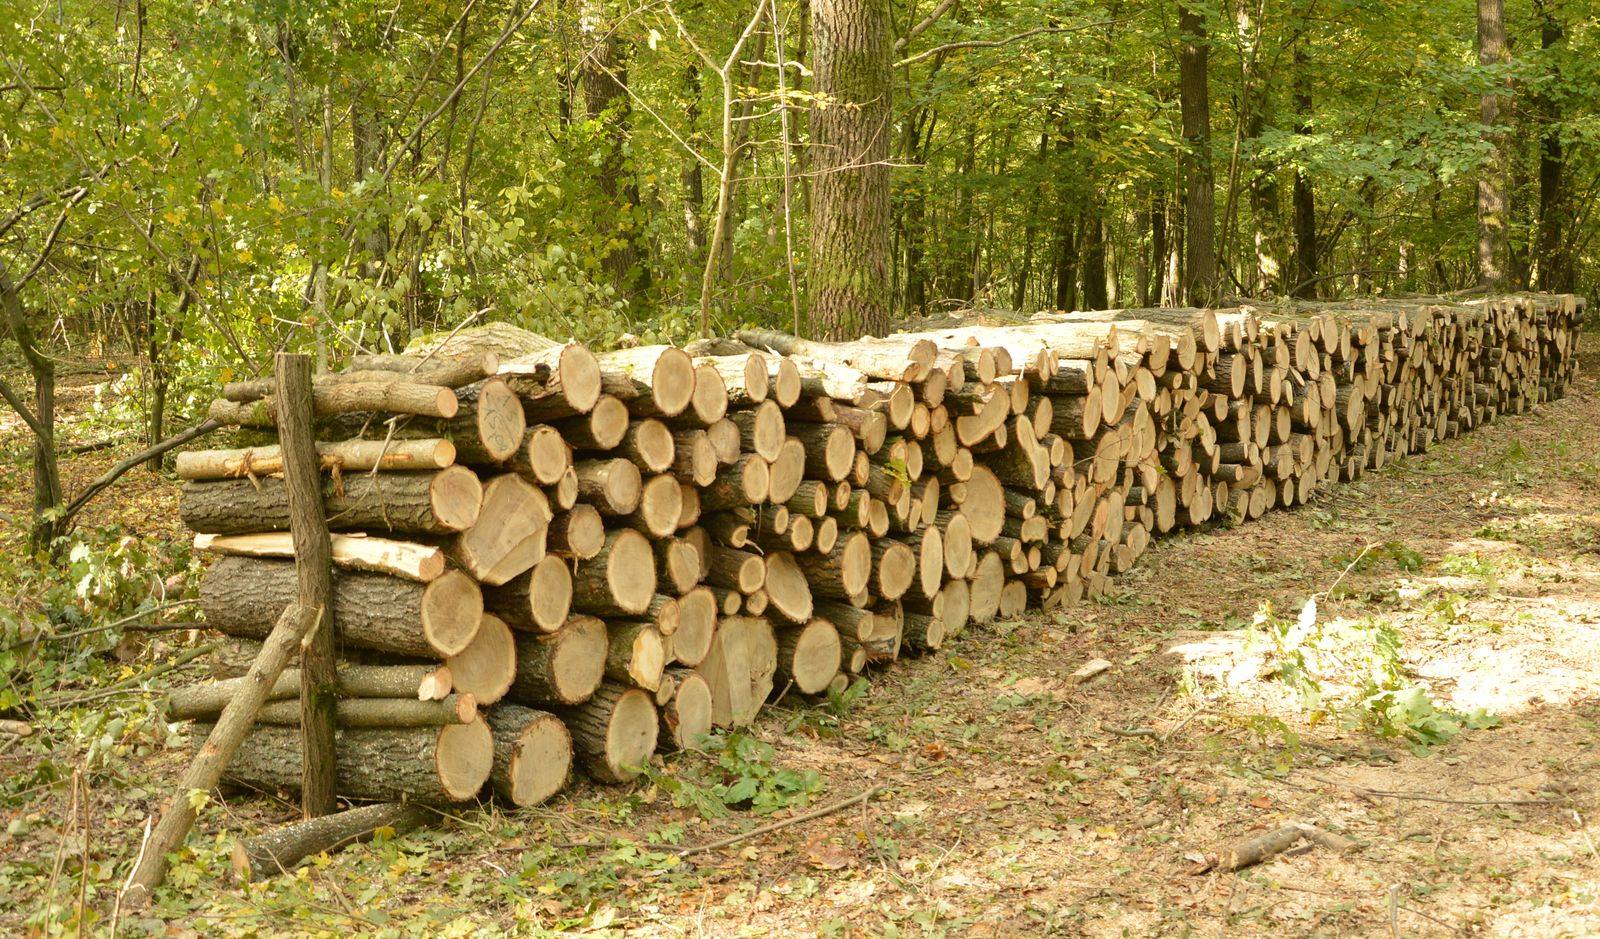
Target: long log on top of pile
x=676, y=535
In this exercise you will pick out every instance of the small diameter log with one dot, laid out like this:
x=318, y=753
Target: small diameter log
x=614, y=732
x=710, y=400
x=986, y=586
x=686, y=719
x=612, y=486
x=679, y=562
x=923, y=633
x=724, y=439
x=694, y=457
x=788, y=593
x=486, y=668
x=650, y=445
x=620, y=580
x=441, y=502
x=740, y=669
x=761, y=429
x=600, y=429
x=843, y=572
x=417, y=562
x=745, y=482
x=577, y=533
x=509, y=536
x=412, y=682
x=332, y=400
x=637, y=654
x=564, y=667
x=222, y=743
x=554, y=382
x=654, y=381
x=737, y=570
x=745, y=376
x=536, y=601
x=786, y=472
x=544, y=455
x=490, y=424
x=809, y=656
x=660, y=506
x=429, y=765
x=984, y=504
x=894, y=567
x=697, y=623
x=281, y=850
x=532, y=754
x=830, y=449
x=241, y=597
x=349, y=456
x=376, y=712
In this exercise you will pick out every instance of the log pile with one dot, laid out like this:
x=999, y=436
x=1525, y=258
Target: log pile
x=547, y=557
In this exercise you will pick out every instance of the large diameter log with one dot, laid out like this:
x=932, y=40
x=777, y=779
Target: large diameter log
x=600, y=429
x=740, y=669
x=830, y=449
x=654, y=381
x=745, y=482
x=348, y=456
x=620, y=580
x=984, y=504
x=615, y=732
x=440, y=502
x=417, y=562
x=281, y=850
x=986, y=587
x=650, y=445
x=892, y=360
x=509, y=535
x=430, y=765
x=413, y=682
x=761, y=429
x=486, y=668
x=564, y=667
x=333, y=400
x=686, y=719
x=537, y=600
x=660, y=506
x=532, y=754
x=453, y=369
x=894, y=567
x=243, y=596
x=787, y=471
x=709, y=403
x=555, y=381
x=809, y=656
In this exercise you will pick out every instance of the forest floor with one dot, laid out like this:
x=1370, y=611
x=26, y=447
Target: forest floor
x=1010, y=801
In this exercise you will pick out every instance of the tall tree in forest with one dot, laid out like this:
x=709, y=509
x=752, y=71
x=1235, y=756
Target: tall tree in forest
x=604, y=76
x=1552, y=256
x=848, y=276
x=1303, y=279
x=1194, y=99
x=1492, y=212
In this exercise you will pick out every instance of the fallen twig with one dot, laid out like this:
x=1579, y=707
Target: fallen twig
x=130, y=685
x=127, y=621
x=1424, y=797
x=775, y=826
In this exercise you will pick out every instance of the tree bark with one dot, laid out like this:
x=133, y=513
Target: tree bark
x=1553, y=258
x=850, y=127
x=1194, y=94
x=1492, y=210
x=1304, y=278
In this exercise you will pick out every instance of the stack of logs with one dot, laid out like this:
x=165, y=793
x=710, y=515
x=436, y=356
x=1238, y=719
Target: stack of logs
x=543, y=553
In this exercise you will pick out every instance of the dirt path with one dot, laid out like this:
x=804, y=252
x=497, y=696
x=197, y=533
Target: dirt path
x=1008, y=804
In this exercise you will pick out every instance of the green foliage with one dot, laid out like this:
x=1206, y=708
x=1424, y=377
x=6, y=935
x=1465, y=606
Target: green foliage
x=738, y=775
x=1353, y=672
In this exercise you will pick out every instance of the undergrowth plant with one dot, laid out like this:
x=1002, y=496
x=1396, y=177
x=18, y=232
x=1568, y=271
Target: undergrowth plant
x=736, y=773
x=1353, y=672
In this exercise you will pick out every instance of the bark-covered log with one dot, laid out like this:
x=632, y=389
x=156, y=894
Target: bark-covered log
x=281, y=850
x=440, y=502
x=564, y=667
x=429, y=765
x=350, y=456
x=243, y=597
x=532, y=754
x=537, y=600
x=615, y=732
x=620, y=580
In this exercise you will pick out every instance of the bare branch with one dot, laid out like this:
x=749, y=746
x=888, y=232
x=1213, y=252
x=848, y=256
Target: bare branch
x=997, y=43
x=922, y=26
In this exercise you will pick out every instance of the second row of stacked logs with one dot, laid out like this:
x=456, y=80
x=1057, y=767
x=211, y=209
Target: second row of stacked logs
x=546, y=556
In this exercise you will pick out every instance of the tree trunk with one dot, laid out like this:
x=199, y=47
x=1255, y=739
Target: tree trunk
x=1492, y=212
x=1303, y=280
x=604, y=74
x=1158, y=251
x=849, y=262
x=1194, y=93
x=46, y=471
x=1552, y=257
x=1095, y=296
